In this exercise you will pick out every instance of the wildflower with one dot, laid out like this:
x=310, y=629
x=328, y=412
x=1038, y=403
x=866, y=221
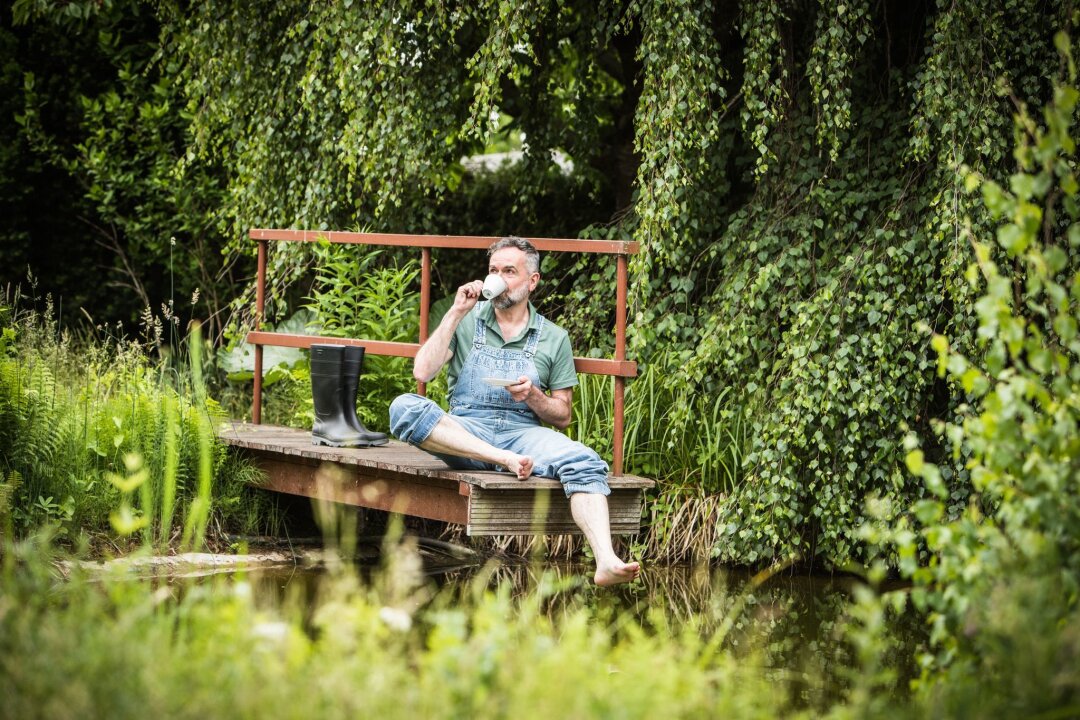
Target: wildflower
x=275, y=631
x=395, y=619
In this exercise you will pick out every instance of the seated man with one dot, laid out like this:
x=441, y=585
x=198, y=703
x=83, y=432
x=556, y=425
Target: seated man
x=491, y=426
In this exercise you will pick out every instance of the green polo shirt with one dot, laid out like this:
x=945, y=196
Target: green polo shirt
x=554, y=359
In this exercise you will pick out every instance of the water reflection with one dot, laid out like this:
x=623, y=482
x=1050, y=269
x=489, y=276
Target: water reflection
x=686, y=593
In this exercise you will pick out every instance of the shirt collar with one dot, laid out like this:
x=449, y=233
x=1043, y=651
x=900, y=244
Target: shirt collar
x=487, y=314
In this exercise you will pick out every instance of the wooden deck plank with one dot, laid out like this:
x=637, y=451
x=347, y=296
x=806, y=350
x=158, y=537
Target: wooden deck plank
x=397, y=477
x=395, y=456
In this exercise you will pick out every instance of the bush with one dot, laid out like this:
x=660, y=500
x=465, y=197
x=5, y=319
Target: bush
x=998, y=582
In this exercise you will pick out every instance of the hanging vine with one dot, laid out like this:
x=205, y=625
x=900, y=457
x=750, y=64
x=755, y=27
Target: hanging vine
x=678, y=122
x=843, y=27
x=765, y=76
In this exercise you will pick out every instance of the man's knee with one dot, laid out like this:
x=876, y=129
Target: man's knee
x=584, y=471
x=413, y=417
x=590, y=479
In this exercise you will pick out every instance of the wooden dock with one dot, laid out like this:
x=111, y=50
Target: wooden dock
x=400, y=478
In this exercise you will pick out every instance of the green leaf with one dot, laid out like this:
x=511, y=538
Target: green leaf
x=929, y=511
x=915, y=462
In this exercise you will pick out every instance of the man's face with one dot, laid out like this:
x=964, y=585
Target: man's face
x=510, y=264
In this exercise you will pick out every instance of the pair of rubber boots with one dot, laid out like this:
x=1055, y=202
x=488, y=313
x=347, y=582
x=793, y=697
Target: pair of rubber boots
x=335, y=375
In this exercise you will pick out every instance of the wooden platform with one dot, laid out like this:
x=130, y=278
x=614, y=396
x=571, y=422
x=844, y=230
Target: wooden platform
x=400, y=478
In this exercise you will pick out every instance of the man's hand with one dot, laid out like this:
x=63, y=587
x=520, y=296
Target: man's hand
x=436, y=351
x=521, y=391
x=554, y=409
x=467, y=297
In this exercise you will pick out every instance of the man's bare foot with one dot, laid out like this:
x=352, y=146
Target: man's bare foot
x=520, y=465
x=616, y=573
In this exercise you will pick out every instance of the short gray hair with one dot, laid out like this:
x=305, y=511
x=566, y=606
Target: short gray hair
x=532, y=257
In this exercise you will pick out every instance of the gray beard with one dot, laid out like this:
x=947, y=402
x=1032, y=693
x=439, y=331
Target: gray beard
x=506, y=300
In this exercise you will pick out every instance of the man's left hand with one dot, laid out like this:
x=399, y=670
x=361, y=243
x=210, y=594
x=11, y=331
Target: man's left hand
x=521, y=390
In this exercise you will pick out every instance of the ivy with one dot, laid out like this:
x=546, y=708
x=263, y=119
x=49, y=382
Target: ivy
x=765, y=77
x=509, y=51
x=1018, y=434
x=843, y=27
x=679, y=135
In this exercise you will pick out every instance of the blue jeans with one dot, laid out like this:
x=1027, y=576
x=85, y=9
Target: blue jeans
x=576, y=466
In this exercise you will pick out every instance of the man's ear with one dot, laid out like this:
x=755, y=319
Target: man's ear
x=534, y=280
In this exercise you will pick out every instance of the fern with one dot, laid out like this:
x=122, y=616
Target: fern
x=69, y=417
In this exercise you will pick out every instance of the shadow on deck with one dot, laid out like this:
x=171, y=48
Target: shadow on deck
x=400, y=478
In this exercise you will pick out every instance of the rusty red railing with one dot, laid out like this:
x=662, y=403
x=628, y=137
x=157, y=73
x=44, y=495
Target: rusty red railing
x=618, y=367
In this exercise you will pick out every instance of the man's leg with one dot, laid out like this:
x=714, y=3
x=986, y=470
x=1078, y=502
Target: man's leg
x=420, y=422
x=584, y=477
x=590, y=511
x=448, y=437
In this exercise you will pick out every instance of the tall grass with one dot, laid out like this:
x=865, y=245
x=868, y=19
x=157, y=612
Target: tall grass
x=397, y=647
x=691, y=445
x=394, y=648
x=96, y=437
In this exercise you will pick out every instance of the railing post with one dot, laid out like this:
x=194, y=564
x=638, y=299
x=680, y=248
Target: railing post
x=260, y=303
x=425, y=305
x=620, y=354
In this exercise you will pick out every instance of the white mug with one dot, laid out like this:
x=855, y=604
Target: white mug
x=494, y=286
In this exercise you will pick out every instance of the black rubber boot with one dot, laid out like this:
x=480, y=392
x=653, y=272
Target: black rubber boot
x=351, y=369
x=330, y=428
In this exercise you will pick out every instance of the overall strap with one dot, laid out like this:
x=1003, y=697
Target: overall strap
x=534, y=337
x=480, y=334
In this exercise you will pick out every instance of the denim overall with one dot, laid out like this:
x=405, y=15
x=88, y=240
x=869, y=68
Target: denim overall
x=492, y=414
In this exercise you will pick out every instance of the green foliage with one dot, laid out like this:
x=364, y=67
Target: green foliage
x=678, y=127
x=828, y=269
x=151, y=210
x=95, y=435
x=357, y=294
x=998, y=582
x=765, y=77
x=843, y=27
x=124, y=647
x=812, y=331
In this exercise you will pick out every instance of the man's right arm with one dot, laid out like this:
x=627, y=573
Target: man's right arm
x=436, y=352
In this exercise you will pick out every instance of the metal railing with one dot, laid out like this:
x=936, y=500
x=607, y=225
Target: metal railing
x=618, y=367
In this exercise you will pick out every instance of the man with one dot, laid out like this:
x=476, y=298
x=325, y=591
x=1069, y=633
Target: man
x=493, y=425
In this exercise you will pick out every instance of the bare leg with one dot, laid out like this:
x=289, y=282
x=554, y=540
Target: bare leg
x=450, y=438
x=591, y=514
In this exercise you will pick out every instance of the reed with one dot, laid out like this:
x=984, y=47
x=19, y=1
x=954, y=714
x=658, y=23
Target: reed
x=692, y=445
x=669, y=434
